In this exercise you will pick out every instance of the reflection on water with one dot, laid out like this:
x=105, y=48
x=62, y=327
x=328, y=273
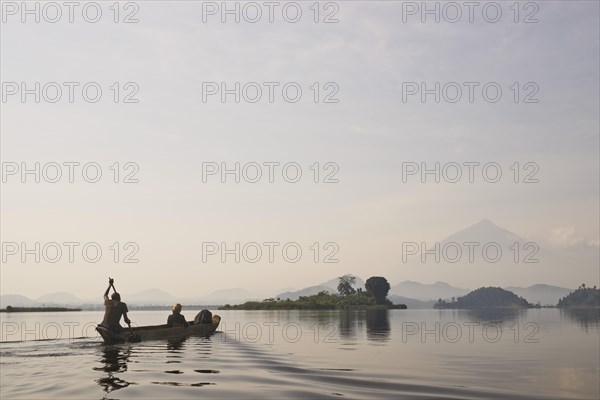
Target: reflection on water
x=114, y=360
x=172, y=353
x=496, y=315
x=378, y=325
x=347, y=325
x=173, y=345
x=178, y=350
x=586, y=317
x=562, y=362
x=352, y=324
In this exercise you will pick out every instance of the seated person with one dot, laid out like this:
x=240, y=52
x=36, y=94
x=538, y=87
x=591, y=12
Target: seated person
x=176, y=319
x=203, y=317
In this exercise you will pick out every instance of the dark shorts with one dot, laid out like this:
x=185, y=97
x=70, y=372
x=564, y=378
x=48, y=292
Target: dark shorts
x=115, y=328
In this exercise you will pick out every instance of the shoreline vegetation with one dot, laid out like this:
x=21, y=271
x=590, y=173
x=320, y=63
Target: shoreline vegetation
x=10, y=309
x=582, y=297
x=321, y=301
x=496, y=297
x=373, y=297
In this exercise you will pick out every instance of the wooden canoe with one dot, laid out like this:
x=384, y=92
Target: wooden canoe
x=158, y=332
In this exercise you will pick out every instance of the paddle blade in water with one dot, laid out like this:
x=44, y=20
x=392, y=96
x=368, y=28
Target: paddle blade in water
x=135, y=338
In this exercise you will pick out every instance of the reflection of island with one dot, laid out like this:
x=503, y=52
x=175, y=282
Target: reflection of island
x=495, y=315
x=348, y=322
x=114, y=360
x=486, y=297
x=585, y=317
x=378, y=325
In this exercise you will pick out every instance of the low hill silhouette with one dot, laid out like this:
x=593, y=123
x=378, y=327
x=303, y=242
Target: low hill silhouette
x=582, y=297
x=486, y=297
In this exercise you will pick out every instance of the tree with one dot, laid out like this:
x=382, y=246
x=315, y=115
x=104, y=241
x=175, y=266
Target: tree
x=378, y=287
x=345, y=285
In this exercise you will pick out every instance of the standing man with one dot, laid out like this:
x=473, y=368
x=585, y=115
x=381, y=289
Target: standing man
x=115, y=308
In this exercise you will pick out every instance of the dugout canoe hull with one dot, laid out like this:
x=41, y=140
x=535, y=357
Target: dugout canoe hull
x=158, y=332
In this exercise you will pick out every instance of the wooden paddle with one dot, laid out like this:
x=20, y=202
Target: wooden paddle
x=132, y=337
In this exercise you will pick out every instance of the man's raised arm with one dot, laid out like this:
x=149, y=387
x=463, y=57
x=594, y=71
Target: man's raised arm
x=110, y=283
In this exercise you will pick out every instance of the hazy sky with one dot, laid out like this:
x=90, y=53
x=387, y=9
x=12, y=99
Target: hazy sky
x=366, y=58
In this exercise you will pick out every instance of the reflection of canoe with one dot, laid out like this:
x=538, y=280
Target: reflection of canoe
x=157, y=332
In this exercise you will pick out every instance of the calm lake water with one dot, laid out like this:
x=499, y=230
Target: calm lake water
x=539, y=353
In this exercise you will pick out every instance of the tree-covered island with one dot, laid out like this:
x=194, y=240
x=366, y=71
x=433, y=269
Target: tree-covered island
x=582, y=297
x=486, y=297
x=374, y=296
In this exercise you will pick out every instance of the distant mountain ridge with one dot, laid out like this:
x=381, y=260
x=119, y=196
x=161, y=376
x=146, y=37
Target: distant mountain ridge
x=308, y=291
x=157, y=297
x=15, y=300
x=330, y=286
x=149, y=297
x=59, y=298
x=544, y=294
x=411, y=304
x=427, y=292
x=413, y=294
